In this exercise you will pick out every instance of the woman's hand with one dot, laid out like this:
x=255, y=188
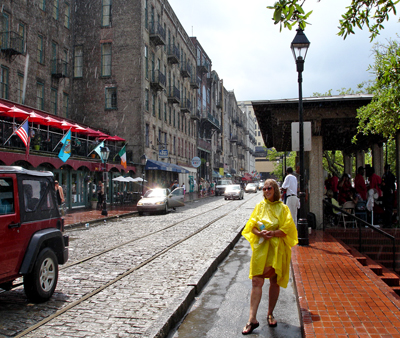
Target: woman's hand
x=266, y=234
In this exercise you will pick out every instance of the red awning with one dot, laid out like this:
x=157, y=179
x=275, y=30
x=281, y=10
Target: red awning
x=114, y=138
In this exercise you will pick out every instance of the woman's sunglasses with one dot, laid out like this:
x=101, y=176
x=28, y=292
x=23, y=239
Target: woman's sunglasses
x=267, y=188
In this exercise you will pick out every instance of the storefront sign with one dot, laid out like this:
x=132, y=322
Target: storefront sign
x=196, y=161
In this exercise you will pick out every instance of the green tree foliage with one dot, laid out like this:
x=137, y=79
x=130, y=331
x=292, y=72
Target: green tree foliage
x=360, y=13
x=382, y=115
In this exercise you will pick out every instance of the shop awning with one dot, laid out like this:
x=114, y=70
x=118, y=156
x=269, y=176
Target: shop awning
x=215, y=174
x=158, y=165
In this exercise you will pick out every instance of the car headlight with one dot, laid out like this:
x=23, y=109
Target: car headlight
x=160, y=203
x=140, y=203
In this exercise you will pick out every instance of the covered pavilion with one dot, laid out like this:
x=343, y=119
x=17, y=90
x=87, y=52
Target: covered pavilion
x=333, y=126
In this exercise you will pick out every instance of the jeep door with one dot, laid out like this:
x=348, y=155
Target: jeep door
x=10, y=224
x=176, y=198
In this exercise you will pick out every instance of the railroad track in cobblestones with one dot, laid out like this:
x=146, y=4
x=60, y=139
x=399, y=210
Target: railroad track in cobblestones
x=66, y=266
x=138, y=266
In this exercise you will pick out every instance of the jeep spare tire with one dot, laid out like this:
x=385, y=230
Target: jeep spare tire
x=39, y=285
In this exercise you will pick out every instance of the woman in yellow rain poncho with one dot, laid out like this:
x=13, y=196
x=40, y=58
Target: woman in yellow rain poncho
x=271, y=233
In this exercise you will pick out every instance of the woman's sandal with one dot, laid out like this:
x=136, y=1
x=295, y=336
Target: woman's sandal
x=249, y=328
x=271, y=321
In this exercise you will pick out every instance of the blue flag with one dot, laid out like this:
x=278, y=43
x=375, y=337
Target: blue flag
x=98, y=149
x=65, y=151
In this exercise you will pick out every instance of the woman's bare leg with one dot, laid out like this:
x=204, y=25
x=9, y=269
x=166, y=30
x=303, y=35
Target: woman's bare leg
x=255, y=298
x=274, y=289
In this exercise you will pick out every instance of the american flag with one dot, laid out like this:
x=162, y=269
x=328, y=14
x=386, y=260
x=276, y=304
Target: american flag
x=23, y=132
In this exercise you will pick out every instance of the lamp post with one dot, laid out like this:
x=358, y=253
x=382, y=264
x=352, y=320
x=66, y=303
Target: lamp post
x=143, y=161
x=105, y=152
x=299, y=48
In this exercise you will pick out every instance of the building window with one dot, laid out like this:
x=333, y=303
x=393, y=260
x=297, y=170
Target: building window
x=55, y=9
x=21, y=33
x=165, y=112
x=159, y=110
x=78, y=61
x=147, y=136
x=54, y=52
x=40, y=49
x=106, y=13
x=174, y=145
x=111, y=98
x=53, y=100
x=42, y=4
x=65, y=105
x=67, y=14
x=154, y=105
x=40, y=95
x=4, y=82
x=173, y=118
x=106, y=59
x=146, y=62
x=146, y=93
x=20, y=89
x=146, y=14
x=170, y=117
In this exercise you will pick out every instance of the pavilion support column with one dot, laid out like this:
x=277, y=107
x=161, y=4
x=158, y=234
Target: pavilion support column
x=347, y=161
x=360, y=159
x=316, y=184
x=377, y=159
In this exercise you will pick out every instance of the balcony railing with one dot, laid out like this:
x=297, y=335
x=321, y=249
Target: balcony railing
x=195, y=115
x=59, y=68
x=157, y=34
x=203, y=67
x=233, y=139
x=186, y=106
x=11, y=43
x=173, y=54
x=186, y=69
x=174, y=95
x=46, y=142
x=158, y=80
x=195, y=82
x=213, y=119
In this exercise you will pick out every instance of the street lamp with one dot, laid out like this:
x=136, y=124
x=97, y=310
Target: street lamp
x=299, y=48
x=143, y=161
x=105, y=152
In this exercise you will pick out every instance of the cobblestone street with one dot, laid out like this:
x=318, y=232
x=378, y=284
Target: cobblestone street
x=140, y=303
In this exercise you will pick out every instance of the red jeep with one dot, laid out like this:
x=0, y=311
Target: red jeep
x=32, y=243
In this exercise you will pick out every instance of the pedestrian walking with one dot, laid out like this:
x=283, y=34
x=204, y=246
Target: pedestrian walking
x=289, y=186
x=60, y=197
x=272, y=233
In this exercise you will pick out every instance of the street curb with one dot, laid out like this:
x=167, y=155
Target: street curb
x=99, y=220
x=175, y=313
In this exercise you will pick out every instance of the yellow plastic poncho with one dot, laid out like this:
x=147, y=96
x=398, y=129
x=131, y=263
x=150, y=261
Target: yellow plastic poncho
x=275, y=252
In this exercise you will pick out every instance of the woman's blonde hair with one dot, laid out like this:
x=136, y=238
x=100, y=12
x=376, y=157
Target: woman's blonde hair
x=277, y=191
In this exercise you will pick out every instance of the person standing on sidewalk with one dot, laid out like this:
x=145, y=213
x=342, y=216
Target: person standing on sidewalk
x=100, y=195
x=60, y=196
x=290, y=187
x=272, y=233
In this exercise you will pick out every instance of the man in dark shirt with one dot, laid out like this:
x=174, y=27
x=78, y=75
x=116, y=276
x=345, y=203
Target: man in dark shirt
x=388, y=188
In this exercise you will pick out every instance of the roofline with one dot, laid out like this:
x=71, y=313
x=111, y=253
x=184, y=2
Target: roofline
x=355, y=97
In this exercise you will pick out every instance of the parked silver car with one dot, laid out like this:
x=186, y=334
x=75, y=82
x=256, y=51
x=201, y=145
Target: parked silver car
x=160, y=200
x=234, y=191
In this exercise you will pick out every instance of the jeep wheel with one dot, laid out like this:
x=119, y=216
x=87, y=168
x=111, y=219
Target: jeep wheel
x=40, y=284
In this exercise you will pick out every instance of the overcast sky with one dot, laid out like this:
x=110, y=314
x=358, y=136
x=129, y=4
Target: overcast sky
x=255, y=60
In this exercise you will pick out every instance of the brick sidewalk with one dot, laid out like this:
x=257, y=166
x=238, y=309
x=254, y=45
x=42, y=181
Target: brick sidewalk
x=339, y=297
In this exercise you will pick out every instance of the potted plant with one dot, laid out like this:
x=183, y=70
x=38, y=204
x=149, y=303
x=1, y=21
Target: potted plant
x=94, y=202
x=37, y=140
